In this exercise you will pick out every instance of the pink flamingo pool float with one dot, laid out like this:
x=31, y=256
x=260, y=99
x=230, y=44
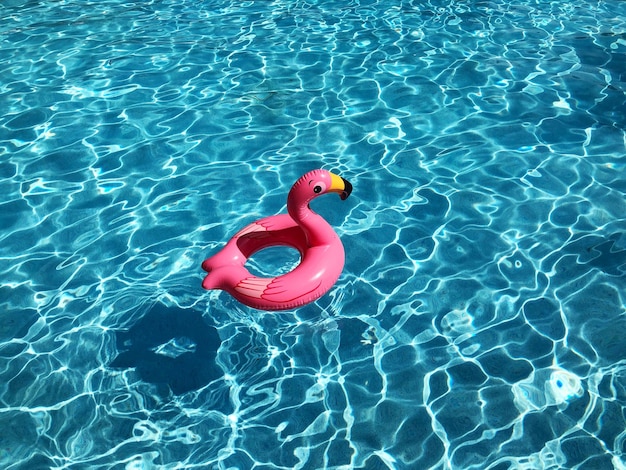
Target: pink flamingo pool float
x=321, y=252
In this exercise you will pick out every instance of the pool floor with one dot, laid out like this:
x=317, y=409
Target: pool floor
x=478, y=323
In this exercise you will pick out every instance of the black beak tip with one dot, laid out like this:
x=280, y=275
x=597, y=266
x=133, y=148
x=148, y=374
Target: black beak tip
x=347, y=191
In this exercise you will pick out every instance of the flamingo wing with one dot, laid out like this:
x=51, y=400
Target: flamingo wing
x=277, y=290
x=281, y=289
x=273, y=293
x=252, y=286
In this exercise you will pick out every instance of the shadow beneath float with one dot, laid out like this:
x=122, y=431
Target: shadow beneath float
x=171, y=346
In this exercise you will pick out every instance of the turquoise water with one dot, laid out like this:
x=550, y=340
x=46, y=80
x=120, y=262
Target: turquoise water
x=479, y=321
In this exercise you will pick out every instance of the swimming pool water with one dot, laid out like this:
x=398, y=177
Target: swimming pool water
x=479, y=321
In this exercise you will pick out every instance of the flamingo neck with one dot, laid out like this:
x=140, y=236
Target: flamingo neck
x=317, y=230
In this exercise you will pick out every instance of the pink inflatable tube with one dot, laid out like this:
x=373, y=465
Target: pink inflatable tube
x=321, y=251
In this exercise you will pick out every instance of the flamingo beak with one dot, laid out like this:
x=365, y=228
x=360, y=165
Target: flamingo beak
x=341, y=186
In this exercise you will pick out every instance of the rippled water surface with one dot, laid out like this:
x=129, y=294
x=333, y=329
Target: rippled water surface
x=479, y=321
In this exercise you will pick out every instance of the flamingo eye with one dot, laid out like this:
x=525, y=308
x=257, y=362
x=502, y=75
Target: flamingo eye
x=318, y=186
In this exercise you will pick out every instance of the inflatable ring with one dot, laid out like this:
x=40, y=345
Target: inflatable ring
x=321, y=251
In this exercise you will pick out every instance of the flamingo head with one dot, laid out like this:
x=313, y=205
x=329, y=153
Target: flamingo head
x=313, y=184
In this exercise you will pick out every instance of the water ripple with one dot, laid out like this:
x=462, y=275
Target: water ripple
x=478, y=321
